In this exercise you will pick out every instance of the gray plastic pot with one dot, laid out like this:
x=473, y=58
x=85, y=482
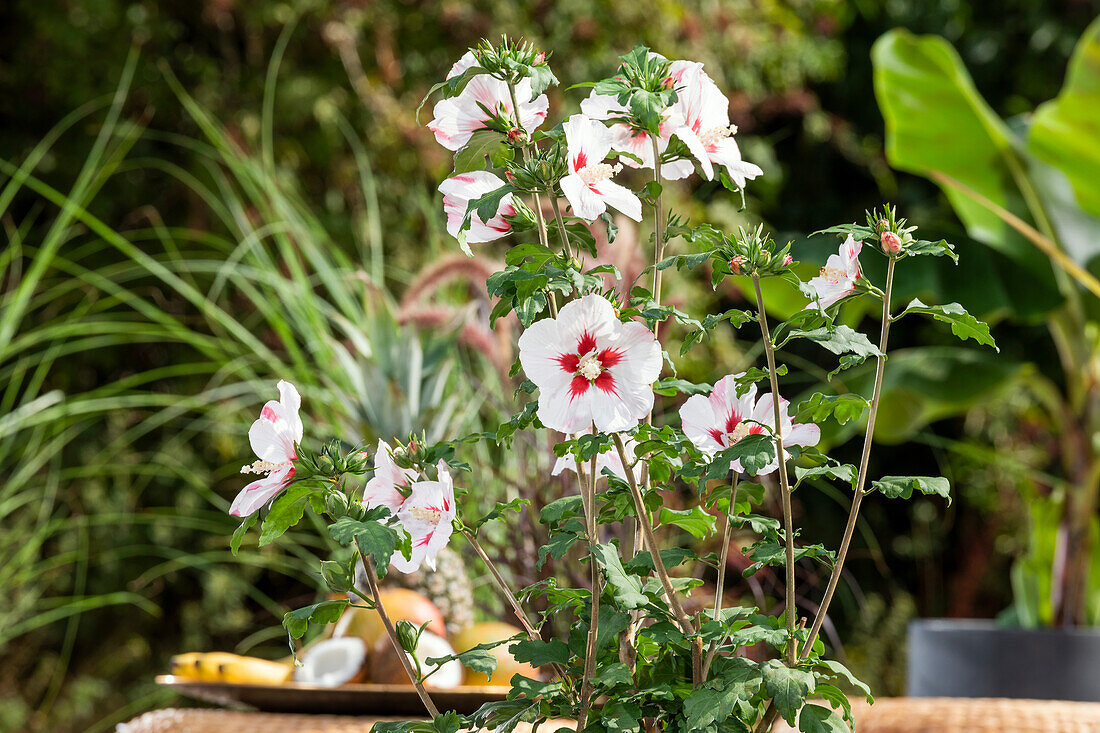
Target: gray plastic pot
x=969, y=658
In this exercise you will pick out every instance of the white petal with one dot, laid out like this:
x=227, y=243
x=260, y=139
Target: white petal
x=466, y=62
x=640, y=353
x=697, y=419
x=272, y=437
x=292, y=403
x=587, y=140
x=558, y=412
x=677, y=169
x=258, y=493
x=623, y=409
x=602, y=106
x=586, y=203
x=804, y=434
x=621, y=198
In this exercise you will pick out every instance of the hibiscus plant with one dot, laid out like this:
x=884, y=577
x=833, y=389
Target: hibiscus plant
x=591, y=366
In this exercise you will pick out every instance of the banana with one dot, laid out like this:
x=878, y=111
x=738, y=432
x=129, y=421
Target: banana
x=253, y=671
x=225, y=667
x=210, y=664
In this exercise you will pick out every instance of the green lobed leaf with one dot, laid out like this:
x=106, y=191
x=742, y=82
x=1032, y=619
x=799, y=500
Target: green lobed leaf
x=627, y=589
x=817, y=719
x=840, y=671
x=482, y=144
x=715, y=700
x=787, y=687
x=239, y=533
x=963, y=325
x=695, y=521
x=297, y=621
x=901, y=487
x=837, y=339
x=841, y=407
x=844, y=472
x=286, y=511
x=540, y=653
x=371, y=537
x=753, y=451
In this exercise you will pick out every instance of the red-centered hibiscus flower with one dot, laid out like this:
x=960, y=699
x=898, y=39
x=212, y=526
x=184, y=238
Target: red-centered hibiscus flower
x=588, y=186
x=389, y=485
x=427, y=516
x=590, y=367
x=483, y=98
x=273, y=437
x=706, y=128
x=722, y=419
x=458, y=191
x=837, y=279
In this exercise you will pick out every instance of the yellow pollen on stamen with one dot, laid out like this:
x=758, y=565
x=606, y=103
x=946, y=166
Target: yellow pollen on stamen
x=426, y=515
x=264, y=467
x=833, y=275
x=738, y=433
x=714, y=134
x=593, y=174
x=590, y=366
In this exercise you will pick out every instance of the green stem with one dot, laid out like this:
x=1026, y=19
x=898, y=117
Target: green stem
x=861, y=480
x=682, y=618
x=594, y=616
x=784, y=484
x=720, y=591
x=372, y=581
x=561, y=225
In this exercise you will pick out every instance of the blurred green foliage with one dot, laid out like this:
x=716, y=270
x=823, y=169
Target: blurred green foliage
x=259, y=232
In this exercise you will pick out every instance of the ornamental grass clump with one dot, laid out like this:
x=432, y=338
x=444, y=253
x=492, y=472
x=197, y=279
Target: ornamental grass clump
x=593, y=364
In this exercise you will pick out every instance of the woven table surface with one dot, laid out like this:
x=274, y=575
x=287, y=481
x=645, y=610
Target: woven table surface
x=888, y=715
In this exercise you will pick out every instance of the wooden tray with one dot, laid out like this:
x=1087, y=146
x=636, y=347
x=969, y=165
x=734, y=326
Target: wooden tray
x=353, y=699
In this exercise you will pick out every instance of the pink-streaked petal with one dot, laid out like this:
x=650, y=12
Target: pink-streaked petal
x=697, y=420
x=584, y=135
x=272, y=441
x=258, y=493
x=621, y=198
x=586, y=203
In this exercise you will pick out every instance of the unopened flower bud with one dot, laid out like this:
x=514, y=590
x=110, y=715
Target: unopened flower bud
x=668, y=82
x=891, y=243
x=787, y=261
x=540, y=57
x=883, y=225
x=736, y=263
x=516, y=136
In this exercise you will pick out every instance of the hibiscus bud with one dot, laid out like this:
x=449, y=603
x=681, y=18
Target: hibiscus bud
x=510, y=176
x=883, y=225
x=891, y=243
x=668, y=82
x=516, y=136
x=540, y=58
x=787, y=261
x=735, y=264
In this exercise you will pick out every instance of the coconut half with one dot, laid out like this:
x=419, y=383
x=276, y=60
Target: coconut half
x=333, y=662
x=386, y=667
